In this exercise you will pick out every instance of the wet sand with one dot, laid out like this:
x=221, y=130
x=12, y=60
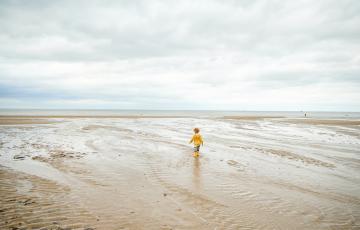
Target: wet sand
x=34, y=118
x=339, y=122
x=251, y=117
x=23, y=121
x=61, y=172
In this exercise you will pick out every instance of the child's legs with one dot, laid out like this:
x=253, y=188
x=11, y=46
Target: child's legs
x=196, y=150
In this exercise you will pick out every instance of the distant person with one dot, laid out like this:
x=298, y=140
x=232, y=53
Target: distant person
x=197, y=139
x=305, y=114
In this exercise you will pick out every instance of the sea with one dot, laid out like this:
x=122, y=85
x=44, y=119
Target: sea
x=185, y=113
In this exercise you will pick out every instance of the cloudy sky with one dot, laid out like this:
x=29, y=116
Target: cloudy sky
x=213, y=54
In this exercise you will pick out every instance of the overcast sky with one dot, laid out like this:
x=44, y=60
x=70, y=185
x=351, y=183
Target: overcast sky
x=228, y=55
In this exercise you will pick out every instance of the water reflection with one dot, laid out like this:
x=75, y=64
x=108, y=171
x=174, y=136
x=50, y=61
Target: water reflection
x=197, y=173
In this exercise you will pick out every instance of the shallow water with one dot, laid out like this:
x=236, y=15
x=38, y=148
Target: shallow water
x=137, y=173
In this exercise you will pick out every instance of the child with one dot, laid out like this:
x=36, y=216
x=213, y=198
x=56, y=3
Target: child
x=197, y=139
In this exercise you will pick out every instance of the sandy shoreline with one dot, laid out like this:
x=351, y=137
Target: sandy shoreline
x=22, y=121
x=339, y=122
x=88, y=116
x=131, y=173
x=251, y=117
x=41, y=119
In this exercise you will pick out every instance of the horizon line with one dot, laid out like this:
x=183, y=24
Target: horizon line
x=194, y=110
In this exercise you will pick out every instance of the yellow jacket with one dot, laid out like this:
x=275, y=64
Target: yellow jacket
x=197, y=139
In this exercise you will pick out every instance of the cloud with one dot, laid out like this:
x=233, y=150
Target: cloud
x=235, y=55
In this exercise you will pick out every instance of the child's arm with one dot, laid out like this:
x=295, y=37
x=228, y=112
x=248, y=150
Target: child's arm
x=201, y=140
x=192, y=139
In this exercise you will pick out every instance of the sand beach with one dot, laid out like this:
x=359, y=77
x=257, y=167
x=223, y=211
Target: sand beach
x=137, y=172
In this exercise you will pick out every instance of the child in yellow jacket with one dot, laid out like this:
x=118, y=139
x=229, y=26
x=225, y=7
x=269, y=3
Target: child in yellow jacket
x=197, y=139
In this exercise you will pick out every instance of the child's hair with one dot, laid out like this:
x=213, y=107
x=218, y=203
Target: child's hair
x=196, y=130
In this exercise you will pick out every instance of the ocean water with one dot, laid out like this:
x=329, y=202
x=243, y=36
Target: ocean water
x=190, y=113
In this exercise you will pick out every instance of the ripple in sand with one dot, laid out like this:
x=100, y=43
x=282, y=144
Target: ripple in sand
x=39, y=206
